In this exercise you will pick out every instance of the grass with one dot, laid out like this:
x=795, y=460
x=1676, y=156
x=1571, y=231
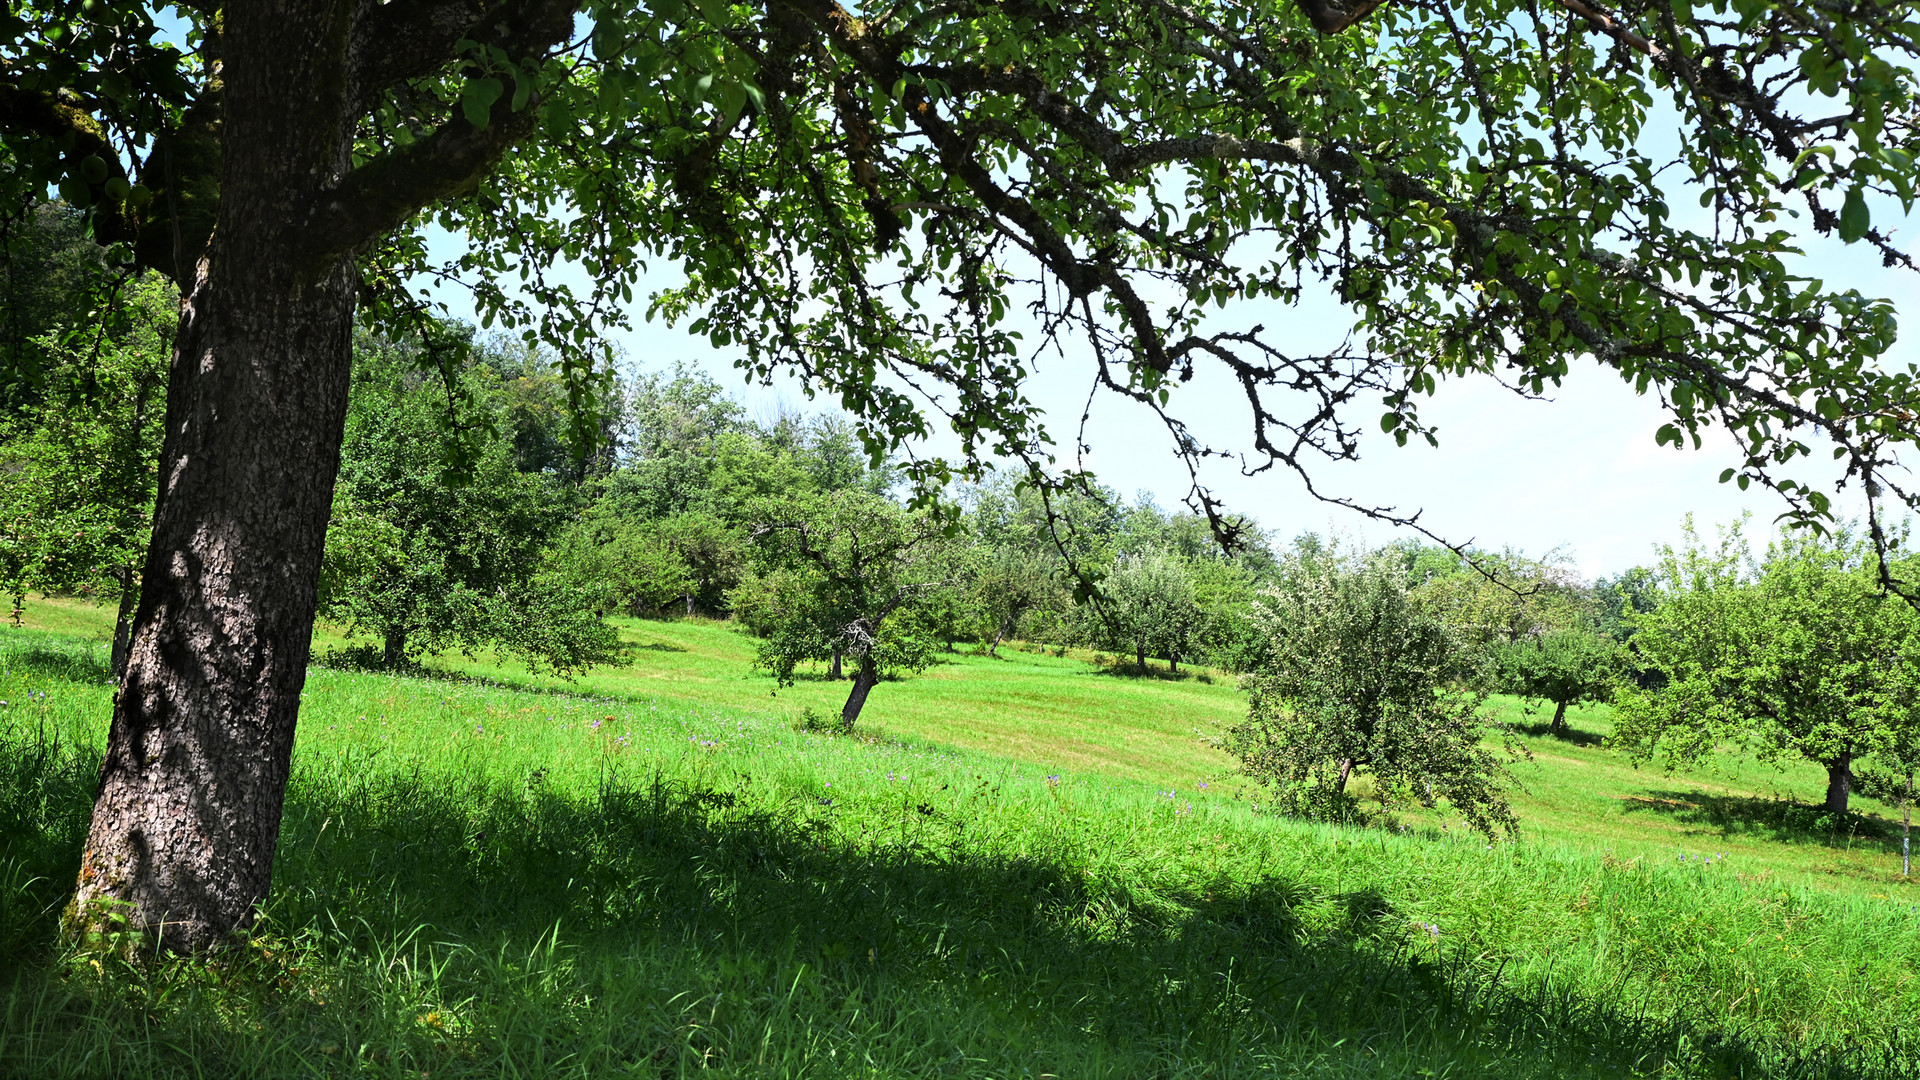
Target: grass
x=651, y=873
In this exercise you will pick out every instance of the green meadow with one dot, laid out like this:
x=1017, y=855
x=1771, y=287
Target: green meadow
x=1020, y=867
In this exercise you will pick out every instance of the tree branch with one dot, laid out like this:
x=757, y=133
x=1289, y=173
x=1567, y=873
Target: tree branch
x=380, y=195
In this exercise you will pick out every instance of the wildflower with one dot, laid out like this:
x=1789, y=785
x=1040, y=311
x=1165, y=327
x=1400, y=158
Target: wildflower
x=596, y=724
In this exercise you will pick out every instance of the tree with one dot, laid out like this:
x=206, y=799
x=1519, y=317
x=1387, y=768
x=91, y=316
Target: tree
x=1007, y=586
x=1565, y=666
x=51, y=275
x=1802, y=656
x=79, y=461
x=1494, y=599
x=1147, y=607
x=1360, y=679
x=843, y=574
x=1622, y=598
x=853, y=196
x=440, y=538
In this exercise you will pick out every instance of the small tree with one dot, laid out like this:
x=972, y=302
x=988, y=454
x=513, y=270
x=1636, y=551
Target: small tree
x=1360, y=680
x=1147, y=606
x=1007, y=585
x=1802, y=656
x=1566, y=667
x=842, y=576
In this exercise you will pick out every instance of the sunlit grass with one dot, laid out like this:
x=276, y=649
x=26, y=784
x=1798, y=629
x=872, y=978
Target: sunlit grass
x=648, y=874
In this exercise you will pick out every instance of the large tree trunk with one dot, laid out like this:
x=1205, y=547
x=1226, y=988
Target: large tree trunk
x=863, y=680
x=1839, y=782
x=191, y=790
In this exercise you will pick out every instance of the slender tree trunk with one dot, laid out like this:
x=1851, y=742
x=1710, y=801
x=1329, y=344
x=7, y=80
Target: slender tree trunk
x=1346, y=771
x=833, y=672
x=1140, y=658
x=863, y=680
x=994, y=649
x=1173, y=664
x=393, y=651
x=1906, y=830
x=1559, y=724
x=1839, y=782
x=123, y=622
x=194, y=778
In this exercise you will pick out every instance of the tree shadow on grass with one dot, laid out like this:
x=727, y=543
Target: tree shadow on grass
x=1157, y=671
x=981, y=961
x=1543, y=729
x=1777, y=819
x=87, y=664
x=1095, y=968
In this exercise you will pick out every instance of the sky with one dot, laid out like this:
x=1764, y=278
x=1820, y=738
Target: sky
x=1577, y=474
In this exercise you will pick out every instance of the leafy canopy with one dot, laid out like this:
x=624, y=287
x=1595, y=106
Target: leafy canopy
x=1800, y=655
x=871, y=197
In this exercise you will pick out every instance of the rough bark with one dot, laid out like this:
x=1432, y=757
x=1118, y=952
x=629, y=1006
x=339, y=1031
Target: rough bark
x=1839, y=782
x=191, y=790
x=863, y=682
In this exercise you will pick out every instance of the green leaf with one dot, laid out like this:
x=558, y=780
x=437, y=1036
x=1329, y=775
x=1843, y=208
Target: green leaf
x=477, y=98
x=1854, y=219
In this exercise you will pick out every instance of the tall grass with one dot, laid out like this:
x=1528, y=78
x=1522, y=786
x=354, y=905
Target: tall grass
x=481, y=881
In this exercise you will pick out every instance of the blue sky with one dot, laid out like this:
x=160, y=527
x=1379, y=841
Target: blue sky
x=1579, y=472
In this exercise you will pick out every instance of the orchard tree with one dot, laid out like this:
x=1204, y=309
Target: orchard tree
x=1007, y=586
x=79, y=458
x=845, y=573
x=443, y=523
x=1147, y=606
x=1803, y=656
x=866, y=199
x=1359, y=679
x=1566, y=666
x=1493, y=599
